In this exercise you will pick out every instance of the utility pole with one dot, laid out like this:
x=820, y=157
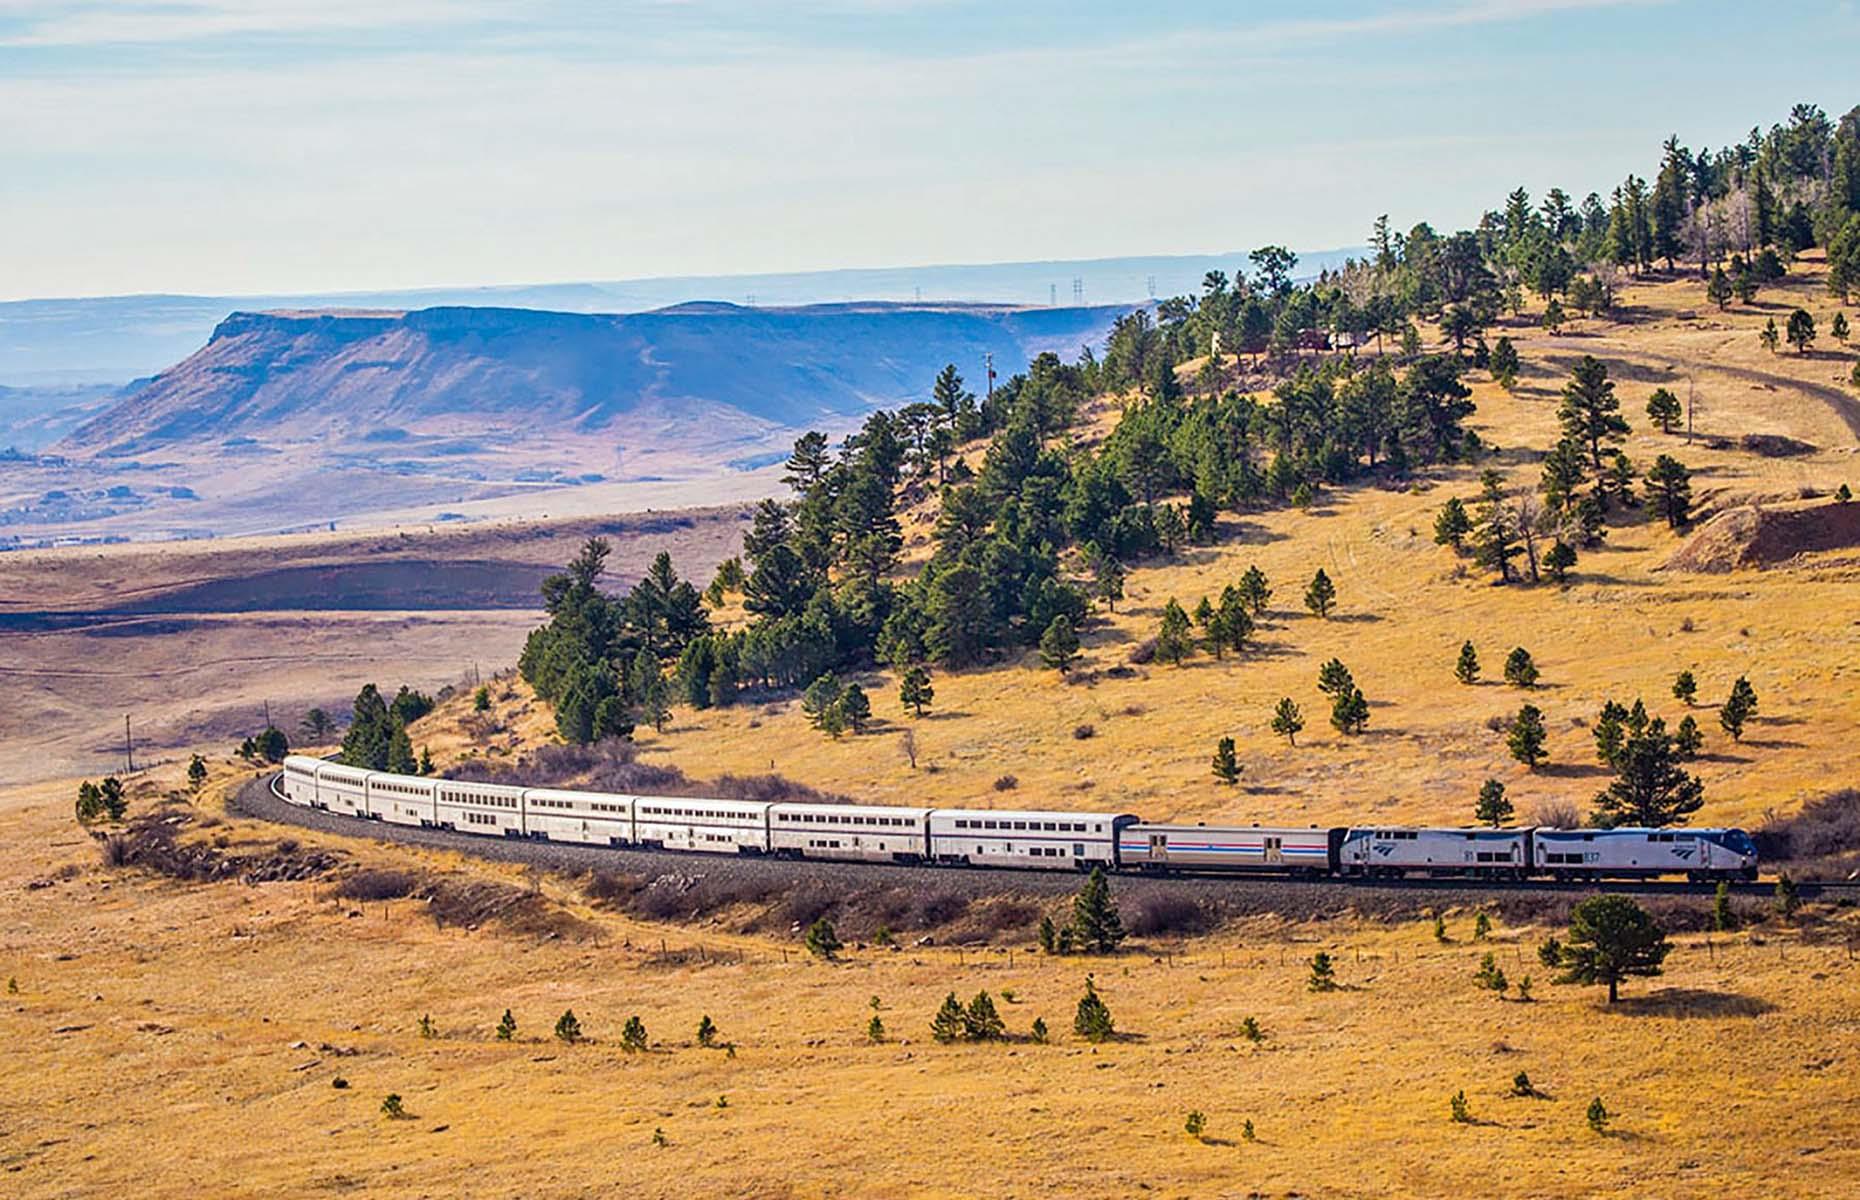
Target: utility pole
x=1692, y=390
x=129, y=748
x=267, y=714
x=1052, y=295
x=988, y=365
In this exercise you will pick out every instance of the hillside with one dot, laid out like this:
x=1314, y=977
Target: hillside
x=1137, y=736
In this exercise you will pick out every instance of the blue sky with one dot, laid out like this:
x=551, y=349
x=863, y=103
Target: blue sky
x=298, y=145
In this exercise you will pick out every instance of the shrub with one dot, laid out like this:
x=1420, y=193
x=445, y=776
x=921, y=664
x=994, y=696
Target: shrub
x=1246, y=1131
x=1250, y=1030
x=706, y=1031
x=1006, y=783
x=507, y=1028
x=1084, y=732
x=1787, y=899
x=1323, y=973
x=1599, y=1115
x=875, y=1030
x=567, y=1027
x=1482, y=926
x=1491, y=976
x=1038, y=1032
x=1457, y=1106
x=1550, y=953
x=1169, y=912
x=1722, y=918
x=1521, y=1085
x=392, y=1108
x=1440, y=929
x=1195, y=1123
x=822, y=940
x=376, y=884
x=426, y=1027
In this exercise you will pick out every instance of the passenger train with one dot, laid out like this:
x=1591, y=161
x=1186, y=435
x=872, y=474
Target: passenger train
x=1023, y=839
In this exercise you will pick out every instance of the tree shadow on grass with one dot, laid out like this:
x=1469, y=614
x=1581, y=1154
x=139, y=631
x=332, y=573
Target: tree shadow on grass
x=1574, y=771
x=1772, y=744
x=1692, y=1003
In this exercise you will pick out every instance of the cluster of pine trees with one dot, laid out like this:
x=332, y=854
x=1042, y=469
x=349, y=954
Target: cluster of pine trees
x=377, y=739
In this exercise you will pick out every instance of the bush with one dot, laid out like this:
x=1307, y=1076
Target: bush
x=1084, y=732
x=1038, y=1031
x=1168, y=912
x=1092, y=1020
x=1521, y=1085
x=706, y=1031
x=392, y=1108
x=1599, y=1115
x=822, y=940
x=633, y=1035
x=1250, y=1030
x=1323, y=973
x=1195, y=1123
x=568, y=1027
x=1457, y=1107
x=507, y=1028
x=1006, y=783
x=376, y=884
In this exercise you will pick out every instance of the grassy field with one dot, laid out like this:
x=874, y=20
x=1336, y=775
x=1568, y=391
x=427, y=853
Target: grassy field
x=173, y=1039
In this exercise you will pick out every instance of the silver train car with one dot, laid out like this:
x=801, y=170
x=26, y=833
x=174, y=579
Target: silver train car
x=1026, y=839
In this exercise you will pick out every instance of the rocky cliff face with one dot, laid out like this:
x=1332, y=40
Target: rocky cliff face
x=333, y=377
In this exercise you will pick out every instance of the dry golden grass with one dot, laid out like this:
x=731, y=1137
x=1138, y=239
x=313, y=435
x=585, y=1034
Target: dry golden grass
x=1622, y=629
x=182, y=1040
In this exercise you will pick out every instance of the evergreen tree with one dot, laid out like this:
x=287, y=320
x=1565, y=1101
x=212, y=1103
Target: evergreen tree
x=370, y=730
x=112, y=799
x=1610, y=732
x=1037, y=1031
x=947, y=1025
x=1591, y=413
x=1723, y=920
x=426, y=761
x=1493, y=808
x=1092, y=1020
x=1559, y=560
x=1452, y=524
x=567, y=1027
x=1564, y=471
x=1059, y=645
x=1096, y=926
x=1598, y=1115
x=1801, y=332
x=1650, y=788
x=1349, y=711
x=1688, y=739
x=1610, y=939
x=1685, y=688
x=914, y=690
x=1553, y=317
x=1669, y=485
x=706, y=1031
x=1108, y=581
x=316, y=727
x=1498, y=530
x=1173, y=641
x=1466, y=670
x=1520, y=671
x=1525, y=739
x=507, y=1028
x=981, y=1022
x=481, y=699
x=1718, y=291
x=1738, y=708
x=1663, y=410
x=820, y=698
x=1287, y=721
x=855, y=708
x=1505, y=363
x=1048, y=935
x=1840, y=329
x=875, y=1030
x=1788, y=899
x=821, y=940
x=400, y=760
x=1769, y=335
x=196, y=773
x=1334, y=678
x=1254, y=591
x=1321, y=595
x=633, y=1035
x=1226, y=764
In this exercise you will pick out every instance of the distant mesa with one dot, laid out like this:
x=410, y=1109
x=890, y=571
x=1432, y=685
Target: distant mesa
x=418, y=378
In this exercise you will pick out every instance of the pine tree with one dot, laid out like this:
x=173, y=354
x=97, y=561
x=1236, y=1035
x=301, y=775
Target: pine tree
x=1788, y=899
x=1559, y=560
x=1521, y=1085
x=1650, y=788
x=706, y=1031
x=1092, y=1020
x=1334, y=678
x=1037, y=1031
x=1591, y=413
x=633, y=1035
x=1610, y=939
x=196, y=773
x=507, y=1028
x=981, y=1022
x=1598, y=1116
x=1553, y=317
x=855, y=707
x=1769, y=336
x=1173, y=643
x=1526, y=737
x=1321, y=595
x=114, y=801
x=1466, y=670
x=1610, y=732
x=1226, y=764
x=914, y=690
x=1688, y=738
x=1493, y=808
x=820, y=698
x=1254, y=590
x=1250, y=1030
x=1669, y=485
x=1564, y=471
x=1663, y=410
x=947, y=1025
x=1520, y=671
x=1323, y=973
x=1048, y=935
x=1505, y=363
x=567, y=1028
x=1738, y=708
x=1287, y=721
x=1840, y=328
x=1059, y=645
x=1801, y=332
x=1108, y=581
x=426, y=761
x=1195, y=1123
x=1349, y=711
x=875, y=1029
x=1491, y=976
x=1722, y=918
x=1452, y=524
x=1498, y=529
x=1685, y=688
x=427, y=1028
x=1718, y=291
x=1096, y=926
x=393, y=1108
x=821, y=940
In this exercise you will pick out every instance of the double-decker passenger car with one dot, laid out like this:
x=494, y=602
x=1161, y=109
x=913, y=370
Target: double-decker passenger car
x=1031, y=838
x=859, y=832
x=402, y=799
x=1306, y=851
x=493, y=808
x=692, y=823
x=342, y=789
x=592, y=818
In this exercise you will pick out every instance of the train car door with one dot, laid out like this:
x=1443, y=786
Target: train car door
x=1275, y=853
x=1159, y=847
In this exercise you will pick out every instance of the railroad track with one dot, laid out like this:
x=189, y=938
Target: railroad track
x=259, y=798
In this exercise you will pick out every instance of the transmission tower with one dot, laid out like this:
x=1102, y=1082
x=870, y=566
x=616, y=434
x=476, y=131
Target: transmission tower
x=1150, y=282
x=1078, y=290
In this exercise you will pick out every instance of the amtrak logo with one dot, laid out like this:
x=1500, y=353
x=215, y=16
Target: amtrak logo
x=1384, y=851
x=1685, y=852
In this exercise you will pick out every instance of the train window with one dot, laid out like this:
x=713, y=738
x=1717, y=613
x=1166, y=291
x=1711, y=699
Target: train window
x=1078, y=851
x=1020, y=824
